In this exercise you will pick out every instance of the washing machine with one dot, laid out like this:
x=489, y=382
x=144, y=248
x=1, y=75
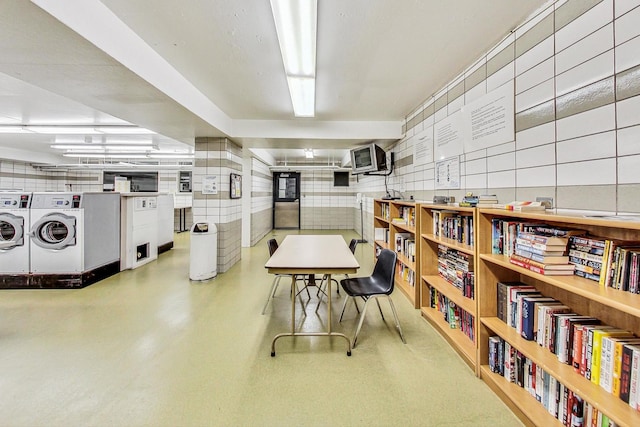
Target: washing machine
x=14, y=242
x=75, y=238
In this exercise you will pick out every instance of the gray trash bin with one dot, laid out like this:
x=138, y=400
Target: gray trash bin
x=203, y=256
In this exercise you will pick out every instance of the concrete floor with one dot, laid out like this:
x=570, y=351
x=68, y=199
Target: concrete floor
x=147, y=347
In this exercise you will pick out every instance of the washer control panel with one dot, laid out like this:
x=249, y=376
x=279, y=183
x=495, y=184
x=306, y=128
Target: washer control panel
x=56, y=201
x=15, y=200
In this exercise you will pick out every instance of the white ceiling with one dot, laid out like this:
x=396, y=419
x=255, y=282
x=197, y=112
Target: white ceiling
x=212, y=67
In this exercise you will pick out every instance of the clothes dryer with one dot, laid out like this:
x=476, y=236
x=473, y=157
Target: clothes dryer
x=74, y=238
x=14, y=242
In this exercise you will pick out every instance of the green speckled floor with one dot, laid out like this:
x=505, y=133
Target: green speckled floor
x=148, y=347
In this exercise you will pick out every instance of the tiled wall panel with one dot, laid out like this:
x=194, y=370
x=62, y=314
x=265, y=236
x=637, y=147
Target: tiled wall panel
x=575, y=67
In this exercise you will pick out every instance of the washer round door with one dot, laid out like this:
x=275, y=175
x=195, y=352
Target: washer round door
x=54, y=231
x=11, y=229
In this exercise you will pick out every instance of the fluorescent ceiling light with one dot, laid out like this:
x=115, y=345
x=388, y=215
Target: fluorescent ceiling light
x=308, y=153
x=62, y=129
x=296, y=26
x=106, y=155
x=93, y=147
x=171, y=156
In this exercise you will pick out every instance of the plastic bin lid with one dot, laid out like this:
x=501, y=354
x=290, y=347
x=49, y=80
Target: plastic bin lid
x=200, y=227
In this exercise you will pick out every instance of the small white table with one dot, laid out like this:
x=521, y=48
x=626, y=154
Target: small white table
x=312, y=254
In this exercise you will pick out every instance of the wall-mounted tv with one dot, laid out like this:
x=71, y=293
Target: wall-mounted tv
x=368, y=158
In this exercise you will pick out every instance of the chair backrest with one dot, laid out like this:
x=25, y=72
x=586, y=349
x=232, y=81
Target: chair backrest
x=385, y=270
x=273, y=246
x=352, y=245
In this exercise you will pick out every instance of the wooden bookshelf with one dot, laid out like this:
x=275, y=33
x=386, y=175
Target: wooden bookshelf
x=387, y=215
x=613, y=307
x=430, y=239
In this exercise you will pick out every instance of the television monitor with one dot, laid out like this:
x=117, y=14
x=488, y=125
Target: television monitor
x=368, y=158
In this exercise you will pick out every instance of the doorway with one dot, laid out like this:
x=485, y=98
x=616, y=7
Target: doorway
x=286, y=200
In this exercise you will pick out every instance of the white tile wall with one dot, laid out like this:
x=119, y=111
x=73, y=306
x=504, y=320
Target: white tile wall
x=588, y=72
x=536, y=156
x=590, y=122
x=590, y=147
x=624, y=6
x=627, y=26
x=536, y=75
x=475, y=92
x=500, y=77
x=542, y=176
x=501, y=162
x=629, y=169
x=599, y=16
x=627, y=54
x=592, y=45
x=505, y=179
x=535, y=55
x=536, y=95
x=476, y=166
x=538, y=135
x=629, y=141
x=628, y=112
x=593, y=172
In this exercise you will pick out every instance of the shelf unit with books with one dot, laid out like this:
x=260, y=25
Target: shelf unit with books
x=447, y=237
x=582, y=296
x=381, y=220
x=401, y=219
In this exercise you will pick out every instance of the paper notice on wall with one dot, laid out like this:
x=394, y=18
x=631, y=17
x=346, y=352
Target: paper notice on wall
x=423, y=147
x=489, y=121
x=448, y=134
x=447, y=174
x=210, y=184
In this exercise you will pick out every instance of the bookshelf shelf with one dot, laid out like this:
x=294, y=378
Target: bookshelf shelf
x=401, y=220
x=453, y=293
x=613, y=307
x=521, y=402
x=452, y=228
x=620, y=412
x=458, y=340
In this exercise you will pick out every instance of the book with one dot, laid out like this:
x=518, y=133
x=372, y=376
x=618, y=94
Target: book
x=513, y=298
x=531, y=262
x=540, y=257
x=625, y=372
x=529, y=307
x=617, y=362
x=544, y=271
x=503, y=298
x=596, y=349
x=529, y=245
x=607, y=356
x=634, y=386
x=544, y=239
x=576, y=353
x=587, y=344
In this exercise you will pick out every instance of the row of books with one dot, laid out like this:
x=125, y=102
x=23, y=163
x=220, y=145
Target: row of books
x=406, y=273
x=548, y=240
x=457, y=268
x=381, y=234
x=456, y=317
x=612, y=263
x=407, y=216
x=406, y=245
x=385, y=211
x=560, y=401
x=452, y=225
x=596, y=351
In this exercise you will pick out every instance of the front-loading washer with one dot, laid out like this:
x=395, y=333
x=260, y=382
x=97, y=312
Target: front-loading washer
x=75, y=238
x=14, y=242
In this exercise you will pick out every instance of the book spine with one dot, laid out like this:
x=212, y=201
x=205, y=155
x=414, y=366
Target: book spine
x=625, y=373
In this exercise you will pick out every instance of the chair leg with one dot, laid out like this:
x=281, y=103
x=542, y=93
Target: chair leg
x=395, y=316
x=272, y=292
x=344, y=305
x=379, y=308
x=364, y=311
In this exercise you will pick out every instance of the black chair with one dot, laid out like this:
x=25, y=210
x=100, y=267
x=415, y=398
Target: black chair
x=379, y=284
x=272, y=244
x=321, y=289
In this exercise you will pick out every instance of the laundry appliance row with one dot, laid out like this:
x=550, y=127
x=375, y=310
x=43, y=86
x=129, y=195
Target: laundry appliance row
x=58, y=240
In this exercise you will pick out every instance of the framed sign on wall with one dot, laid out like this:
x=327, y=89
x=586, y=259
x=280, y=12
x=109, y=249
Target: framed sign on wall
x=236, y=186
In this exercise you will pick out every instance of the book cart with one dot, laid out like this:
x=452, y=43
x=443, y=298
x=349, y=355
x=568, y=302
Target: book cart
x=585, y=297
x=451, y=310
x=395, y=223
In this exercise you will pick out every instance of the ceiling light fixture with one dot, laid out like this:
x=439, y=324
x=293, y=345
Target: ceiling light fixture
x=75, y=129
x=308, y=153
x=296, y=26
